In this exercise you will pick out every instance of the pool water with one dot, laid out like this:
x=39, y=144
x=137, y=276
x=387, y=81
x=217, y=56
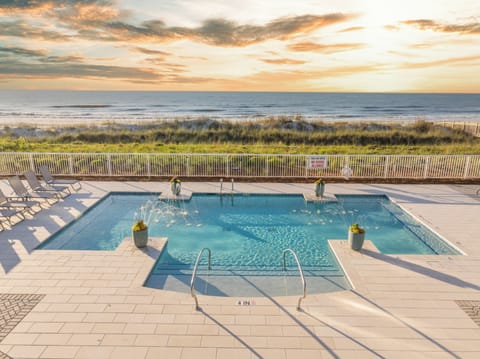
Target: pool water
x=247, y=235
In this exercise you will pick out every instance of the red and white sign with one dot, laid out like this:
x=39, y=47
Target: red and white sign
x=317, y=162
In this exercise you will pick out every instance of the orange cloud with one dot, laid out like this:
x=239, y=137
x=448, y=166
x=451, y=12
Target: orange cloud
x=221, y=32
x=353, y=28
x=283, y=61
x=24, y=30
x=426, y=24
x=151, y=52
x=101, y=20
x=327, y=49
x=452, y=60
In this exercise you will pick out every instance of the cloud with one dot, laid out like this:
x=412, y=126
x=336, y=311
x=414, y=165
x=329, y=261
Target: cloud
x=449, y=61
x=18, y=51
x=426, y=24
x=18, y=62
x=22, y=29
x=151, y=52
x=101, y=20
x=217, y=32
x=73, y=70
x=353, y=28
x=327, y=49
x=63, y=59
x=15, y=6
x=283, y=61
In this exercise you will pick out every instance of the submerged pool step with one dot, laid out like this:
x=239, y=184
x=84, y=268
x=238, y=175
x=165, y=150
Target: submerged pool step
x=248, y=286
x=253, y=272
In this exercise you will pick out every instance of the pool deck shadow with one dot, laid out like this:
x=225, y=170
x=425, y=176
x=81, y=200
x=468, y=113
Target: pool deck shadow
x=23, y=238
x=431, y=273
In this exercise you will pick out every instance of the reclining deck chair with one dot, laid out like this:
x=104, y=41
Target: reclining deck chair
x=35, y=185
x=18, y=204
x=22, y=192
x=48, y=178
x=6, y=215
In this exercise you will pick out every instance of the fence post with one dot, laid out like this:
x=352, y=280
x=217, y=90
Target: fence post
x=385, y=170
x=267, y=170
x=109, y=164
x=228, y=166
x=149, y=169
x=32, y=163
x=70, y=164
x=467, y=167
x=425, y=169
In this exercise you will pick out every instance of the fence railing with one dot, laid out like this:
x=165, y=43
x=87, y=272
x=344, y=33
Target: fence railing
x=244, y=165
x=465, y=126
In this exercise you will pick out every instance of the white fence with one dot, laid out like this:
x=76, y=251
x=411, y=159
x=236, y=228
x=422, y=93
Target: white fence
x=244, y=165
x=469, y=127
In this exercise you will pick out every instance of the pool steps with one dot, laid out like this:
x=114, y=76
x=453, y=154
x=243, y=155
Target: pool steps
x=284, y=268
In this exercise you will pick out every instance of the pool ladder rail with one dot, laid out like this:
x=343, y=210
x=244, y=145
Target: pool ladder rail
x=194, y=274
x=302, y=276
x=221, y=186
x=284, y=254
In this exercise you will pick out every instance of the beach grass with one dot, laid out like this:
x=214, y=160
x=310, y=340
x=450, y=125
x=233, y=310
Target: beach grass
x=274, y=135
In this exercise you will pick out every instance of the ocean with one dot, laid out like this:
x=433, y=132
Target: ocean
x=97, y=107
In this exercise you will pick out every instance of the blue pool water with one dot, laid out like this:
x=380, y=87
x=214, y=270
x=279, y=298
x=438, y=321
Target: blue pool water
x=247, y=233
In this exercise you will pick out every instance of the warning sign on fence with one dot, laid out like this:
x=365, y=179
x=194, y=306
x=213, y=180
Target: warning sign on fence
x=317, y=162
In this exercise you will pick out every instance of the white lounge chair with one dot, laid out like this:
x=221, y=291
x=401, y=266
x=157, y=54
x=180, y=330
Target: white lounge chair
x=48, y=178
x=22, y=192
x=35, y=185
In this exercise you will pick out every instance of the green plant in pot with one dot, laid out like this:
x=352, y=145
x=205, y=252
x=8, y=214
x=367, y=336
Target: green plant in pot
x=140, y=233
x=175, y=185
x=356, y=236
x=319, y=187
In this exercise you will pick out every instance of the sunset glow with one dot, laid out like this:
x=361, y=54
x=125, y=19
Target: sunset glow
x=274, y=45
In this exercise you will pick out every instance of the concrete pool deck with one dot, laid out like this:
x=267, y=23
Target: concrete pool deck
x=91, y=304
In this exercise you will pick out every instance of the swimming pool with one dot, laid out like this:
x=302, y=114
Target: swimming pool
x=247, y=234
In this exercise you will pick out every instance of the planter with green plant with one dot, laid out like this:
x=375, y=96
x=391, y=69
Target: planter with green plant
x=140, y=233
x=356, y=236
x=319, y=187
x=175, y=186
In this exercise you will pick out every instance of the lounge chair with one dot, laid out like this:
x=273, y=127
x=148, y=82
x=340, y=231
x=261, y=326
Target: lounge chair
x=48, y=178
x=18, y=204
x=35, y=185
x=6, y=215
x=22, y=192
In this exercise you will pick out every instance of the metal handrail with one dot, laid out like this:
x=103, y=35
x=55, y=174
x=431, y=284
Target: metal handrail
x=192, y=281
x=301, y=273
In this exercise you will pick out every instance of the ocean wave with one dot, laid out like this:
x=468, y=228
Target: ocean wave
x=81, y=106
x=201, y=110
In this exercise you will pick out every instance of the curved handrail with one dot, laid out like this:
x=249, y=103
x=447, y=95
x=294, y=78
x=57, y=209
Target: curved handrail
x=192, y=281
x=301, y=274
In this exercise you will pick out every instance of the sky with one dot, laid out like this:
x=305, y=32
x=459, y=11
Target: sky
x=241, y=45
